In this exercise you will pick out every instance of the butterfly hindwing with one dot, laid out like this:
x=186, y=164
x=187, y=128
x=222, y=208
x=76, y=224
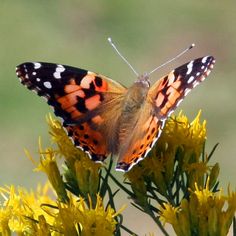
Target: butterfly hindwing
x=140, y=144
x=78, y=97
x=168, y=92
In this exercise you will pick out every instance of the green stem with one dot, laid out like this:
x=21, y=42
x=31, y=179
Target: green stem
x=121, y=186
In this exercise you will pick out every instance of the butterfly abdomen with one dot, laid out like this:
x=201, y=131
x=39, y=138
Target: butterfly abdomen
x=131, y=110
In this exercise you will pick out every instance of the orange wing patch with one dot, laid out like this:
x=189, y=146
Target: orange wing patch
x=167, y=93
x=90, y=140
x=140, y=147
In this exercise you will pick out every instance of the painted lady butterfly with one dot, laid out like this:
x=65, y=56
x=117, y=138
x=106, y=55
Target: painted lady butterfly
x=102, y=116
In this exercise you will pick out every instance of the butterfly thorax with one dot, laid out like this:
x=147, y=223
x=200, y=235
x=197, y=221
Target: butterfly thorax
x=135, y=96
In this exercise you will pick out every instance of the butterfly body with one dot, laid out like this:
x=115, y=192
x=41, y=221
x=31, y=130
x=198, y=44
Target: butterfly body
x=102, y=116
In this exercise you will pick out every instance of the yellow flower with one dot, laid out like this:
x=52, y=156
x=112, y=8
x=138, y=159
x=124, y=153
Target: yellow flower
x=21, y=210
x=179, y=131
x=35, y=213
x=76, y=216
x=98, y=220
x=48, y=165
x=168, y=214
x=205, y=213
x=204, y=194
x=5, y=217
x=195, y=172
x=87, y=175
x=59, y=136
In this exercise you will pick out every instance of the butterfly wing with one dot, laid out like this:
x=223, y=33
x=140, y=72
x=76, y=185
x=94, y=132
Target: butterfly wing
x=168, y=92
x=162, y=99
x=78, y=96
x=144, y=134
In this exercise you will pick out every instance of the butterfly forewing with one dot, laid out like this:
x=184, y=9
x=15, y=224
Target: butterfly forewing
x=79, y=97
x=170, y=90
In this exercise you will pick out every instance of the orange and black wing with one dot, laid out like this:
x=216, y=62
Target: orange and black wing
x=80, y=98
x=162, y=99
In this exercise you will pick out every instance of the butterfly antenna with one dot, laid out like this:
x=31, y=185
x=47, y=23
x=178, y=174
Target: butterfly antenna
x=179, y=55
x=124, y=59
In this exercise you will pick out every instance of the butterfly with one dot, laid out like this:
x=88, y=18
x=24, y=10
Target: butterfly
x=104, y=117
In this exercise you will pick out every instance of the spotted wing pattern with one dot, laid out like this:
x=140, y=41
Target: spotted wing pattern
x=168, y=92
x=163, y=97
x=78, y=97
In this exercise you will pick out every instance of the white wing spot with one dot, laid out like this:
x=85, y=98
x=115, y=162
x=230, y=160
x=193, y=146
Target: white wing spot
x=195, y=83
x=186, y=92
x=37, y=65
x=59, y=70
x=190, y=67
x=57, y=75
x=170, y=112
x=204, y=59
x=202, y=67
x=47, y=84
x=34, y=73
x=202, y=78
x=147, y=151
x=191, y=79
x=154, y=141
x=198, y=73
x=38, y=79
x=179, y=102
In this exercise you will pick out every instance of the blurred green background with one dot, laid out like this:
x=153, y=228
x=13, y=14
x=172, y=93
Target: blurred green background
x=147, y=32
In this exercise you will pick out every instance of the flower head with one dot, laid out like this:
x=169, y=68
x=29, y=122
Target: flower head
x=179, y=132
x=205, y=212
x=48, y=165
x=98, y=220
x=21, y=210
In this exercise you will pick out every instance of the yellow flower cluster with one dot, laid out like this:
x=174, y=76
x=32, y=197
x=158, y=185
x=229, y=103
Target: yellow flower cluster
x=29, y=213
x=180, y=144
x=179, y=132
x=175, y=169
x=79, y=164
x=76, y=208
x=20, y=210
x=204, y=213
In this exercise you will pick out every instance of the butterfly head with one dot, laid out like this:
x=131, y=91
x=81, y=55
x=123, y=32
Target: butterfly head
x=143, y=80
